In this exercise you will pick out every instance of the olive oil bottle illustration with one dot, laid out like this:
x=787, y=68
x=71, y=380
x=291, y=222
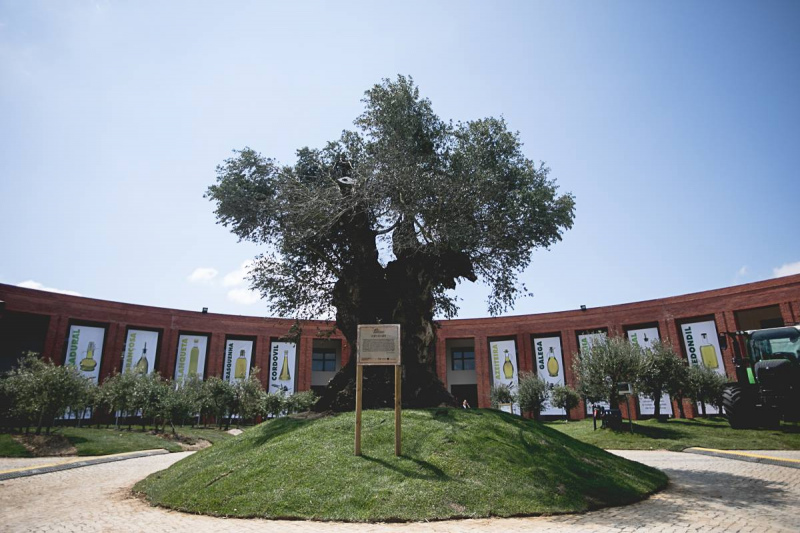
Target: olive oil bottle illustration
x=194, y=358
x=708, y=353
x=284, y=375
x=88, y=363
x=508, y=368
x=552, y=364
x=142, y=365
x=241, y=366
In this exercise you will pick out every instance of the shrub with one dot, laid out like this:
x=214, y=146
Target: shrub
x=706, y=387
x=41, y=391
x=531, y=393
x=610, y=362
x=300, y=402
x=275, y=404
x=662, y=371
x=564, y=397
x=500, y=394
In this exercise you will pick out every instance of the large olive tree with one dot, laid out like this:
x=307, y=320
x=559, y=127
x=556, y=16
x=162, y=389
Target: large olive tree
x=379, y=224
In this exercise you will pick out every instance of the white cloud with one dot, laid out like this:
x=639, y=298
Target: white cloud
x=787, y=270
x=237, y=277
x=203, y=275
x=743, y=271
x=243, y=296
x=30, y=284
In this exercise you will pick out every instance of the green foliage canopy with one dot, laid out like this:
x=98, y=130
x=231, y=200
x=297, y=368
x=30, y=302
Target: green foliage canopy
x=462, y=195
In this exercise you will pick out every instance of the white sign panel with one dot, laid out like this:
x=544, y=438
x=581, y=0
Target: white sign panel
x=702, y=347
x=140, y=351
x=549, y=367
x=191, y=357
x=503, y=356
x=379, y=344
x=644, y=337
x=238, y=354
x=585, y=343
x=85, y=350
x=282, y=357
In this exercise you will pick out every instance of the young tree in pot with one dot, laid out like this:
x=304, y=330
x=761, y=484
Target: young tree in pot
x=564, y=397
x=661, y=366
x=610, y=362
x=531, y=393
x=379, y=224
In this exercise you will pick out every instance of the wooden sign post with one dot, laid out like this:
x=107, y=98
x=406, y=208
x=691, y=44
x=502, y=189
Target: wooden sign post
x=379, y=344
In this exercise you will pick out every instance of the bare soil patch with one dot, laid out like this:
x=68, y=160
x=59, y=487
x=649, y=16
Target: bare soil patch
x=47, y=445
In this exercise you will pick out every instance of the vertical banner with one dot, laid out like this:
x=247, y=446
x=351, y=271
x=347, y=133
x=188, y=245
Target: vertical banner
x=504, y=366
x=191, y=358
x=702, y=347
x=549, y=367
x=238, y=354
x=282, y=357
x=585, y=343
x=140, y=351
x=644, y=337
x=85, y=350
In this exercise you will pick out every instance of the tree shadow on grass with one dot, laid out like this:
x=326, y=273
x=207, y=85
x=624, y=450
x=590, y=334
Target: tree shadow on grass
x=431, y=472
x=279, y=427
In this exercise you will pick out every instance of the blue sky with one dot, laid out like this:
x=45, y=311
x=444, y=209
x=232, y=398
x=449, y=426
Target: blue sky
x=674, y=124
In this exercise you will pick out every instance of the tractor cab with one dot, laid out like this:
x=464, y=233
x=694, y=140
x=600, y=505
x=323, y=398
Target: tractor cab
x=768, y=378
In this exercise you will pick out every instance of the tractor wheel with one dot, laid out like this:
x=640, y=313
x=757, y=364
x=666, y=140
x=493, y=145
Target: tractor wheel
x=739, y=406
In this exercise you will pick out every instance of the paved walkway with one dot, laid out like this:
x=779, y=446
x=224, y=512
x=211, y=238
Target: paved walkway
x=706, y=494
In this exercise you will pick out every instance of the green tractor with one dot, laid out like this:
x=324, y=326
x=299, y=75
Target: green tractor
x=768, y=378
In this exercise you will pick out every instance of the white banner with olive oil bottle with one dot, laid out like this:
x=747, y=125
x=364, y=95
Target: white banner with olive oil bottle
x=549, y=367
x=503, y=356
x=191, y=358
x=282, y=357
x=702, y=347
x=644, y=337
x=140, y=351
x=585, y=343
x=238, y=354
x=85, y=350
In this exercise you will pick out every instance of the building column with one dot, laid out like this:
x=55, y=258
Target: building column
x=482, y=371
x=54, y=340
x=304, y=362
x=169, y=352
x=261, y=359
x=525, y=353
x=113, y=350
x=215, y=359
x=789, y=317
x=726, y=322
x=569, y=346
x=441, y=359
x=346, y=352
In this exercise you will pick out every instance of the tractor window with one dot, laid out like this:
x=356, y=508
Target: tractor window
x=784, y=346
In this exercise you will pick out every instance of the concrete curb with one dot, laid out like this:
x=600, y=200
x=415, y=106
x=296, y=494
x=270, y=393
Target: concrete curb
x=58, y=467
x=746, y=456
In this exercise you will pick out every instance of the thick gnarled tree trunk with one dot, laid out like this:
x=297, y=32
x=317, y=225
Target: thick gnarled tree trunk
x=401, y=293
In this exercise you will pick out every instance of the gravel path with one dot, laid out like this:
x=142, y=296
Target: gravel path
x=706, y=494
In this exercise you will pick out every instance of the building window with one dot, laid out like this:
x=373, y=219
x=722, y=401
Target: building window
x=463, y=359
x=323, y=361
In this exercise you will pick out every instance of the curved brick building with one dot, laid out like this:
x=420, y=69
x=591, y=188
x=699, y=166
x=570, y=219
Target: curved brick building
x=469, y=352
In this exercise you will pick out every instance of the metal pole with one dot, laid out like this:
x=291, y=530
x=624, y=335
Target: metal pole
x=359, y=378
x=398, y=376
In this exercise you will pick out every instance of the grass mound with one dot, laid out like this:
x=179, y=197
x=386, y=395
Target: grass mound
x=455, y=463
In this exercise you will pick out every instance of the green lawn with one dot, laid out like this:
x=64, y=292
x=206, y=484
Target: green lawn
x=455, y=463
x=11, y=448
x=678, y=434
x=91, y=441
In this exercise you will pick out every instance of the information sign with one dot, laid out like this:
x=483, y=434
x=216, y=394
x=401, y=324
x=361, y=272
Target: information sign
x=379, y=344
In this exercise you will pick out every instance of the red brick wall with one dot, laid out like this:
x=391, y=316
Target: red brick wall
x=666, y=312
